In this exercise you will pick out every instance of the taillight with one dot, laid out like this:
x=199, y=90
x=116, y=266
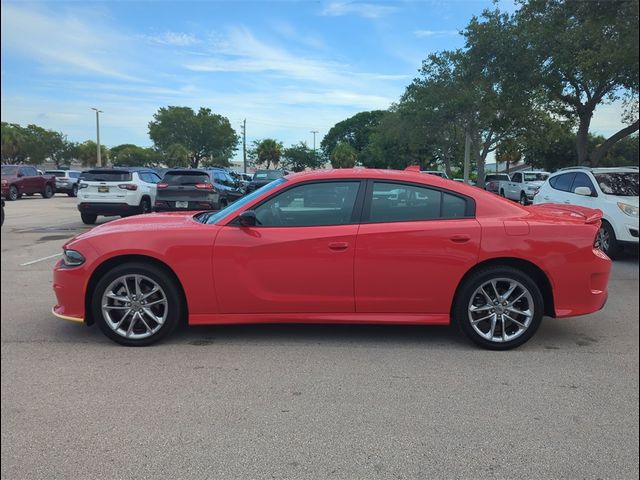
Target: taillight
x=84, y=185
x=162, y=185
x=128, y=186
x=204, y=186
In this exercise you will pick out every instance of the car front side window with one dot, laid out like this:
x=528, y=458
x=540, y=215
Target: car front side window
x=311, y=204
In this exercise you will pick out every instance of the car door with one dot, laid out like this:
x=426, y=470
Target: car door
x=414, y=245
x=559, y=188
x=298, y=258
x=514, y=186
x=582, y=180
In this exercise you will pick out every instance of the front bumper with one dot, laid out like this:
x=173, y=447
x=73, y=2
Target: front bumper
x=108, y=209
x=69, y=285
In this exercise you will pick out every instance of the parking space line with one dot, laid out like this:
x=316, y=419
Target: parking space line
x=40, y=259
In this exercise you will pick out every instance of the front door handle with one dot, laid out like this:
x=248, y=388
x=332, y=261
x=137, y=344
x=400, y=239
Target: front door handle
x=338, y=246
x=460, y=238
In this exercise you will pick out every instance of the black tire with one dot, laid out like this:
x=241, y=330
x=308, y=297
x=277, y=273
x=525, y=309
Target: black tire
x=145, y=206
x=502, y=193
x=74, y=191
x=607, y=242
x=475, y=281
x=523, y=199
x=174, y=307
x=14, y=193
x=223, y=203
x=88, y=218
x=48, y=191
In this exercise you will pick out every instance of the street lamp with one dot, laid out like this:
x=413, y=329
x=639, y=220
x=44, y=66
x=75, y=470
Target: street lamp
x=98, y=112
x=314, y=139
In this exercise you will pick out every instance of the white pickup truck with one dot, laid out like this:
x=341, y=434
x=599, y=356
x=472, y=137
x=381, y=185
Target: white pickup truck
x=522, y=186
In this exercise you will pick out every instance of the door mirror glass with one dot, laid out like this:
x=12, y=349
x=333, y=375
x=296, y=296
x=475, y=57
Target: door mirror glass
x=584, y=191
x=247, y=218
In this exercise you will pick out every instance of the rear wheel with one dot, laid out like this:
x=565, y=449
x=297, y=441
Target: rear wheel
x=88, y=218
x=14, y=194
x=606, y=240
x=74, y=191
x=145, y=206
x=48, y=192
x=499, y=308
x=137, y=304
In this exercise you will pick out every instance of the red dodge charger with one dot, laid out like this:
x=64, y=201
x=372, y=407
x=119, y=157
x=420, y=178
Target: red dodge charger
x=352, y=246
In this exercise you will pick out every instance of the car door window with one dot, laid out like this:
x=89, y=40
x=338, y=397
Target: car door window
x=311, y=204
x=395, y=202
x=582, y=180
x=562, y=182
x=517, y=178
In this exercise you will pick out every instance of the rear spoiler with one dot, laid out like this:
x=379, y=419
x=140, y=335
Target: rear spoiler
x=588, y=215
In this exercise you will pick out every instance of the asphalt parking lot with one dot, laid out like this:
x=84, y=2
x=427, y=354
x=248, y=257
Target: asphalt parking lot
x=294, y=402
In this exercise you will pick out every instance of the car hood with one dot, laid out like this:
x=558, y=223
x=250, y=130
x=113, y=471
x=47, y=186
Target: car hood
x=9, y=177
x=628, y=200
x=150, y=222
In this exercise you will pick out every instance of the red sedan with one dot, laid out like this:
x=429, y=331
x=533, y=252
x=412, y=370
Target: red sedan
x=352, y=246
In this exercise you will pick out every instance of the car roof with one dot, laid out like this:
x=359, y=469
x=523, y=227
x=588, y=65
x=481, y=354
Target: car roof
x=186, y=171
x=121, y=169
x=629, y=169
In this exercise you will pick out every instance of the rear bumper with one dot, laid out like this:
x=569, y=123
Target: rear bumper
x=170, y=206
x=108, y=209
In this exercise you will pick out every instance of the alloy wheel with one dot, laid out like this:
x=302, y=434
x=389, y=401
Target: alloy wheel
x=501, y=310
x=603, y=240
x=134, y=306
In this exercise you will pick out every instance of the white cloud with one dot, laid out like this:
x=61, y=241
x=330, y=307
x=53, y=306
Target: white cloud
x=366, y=10
x=435, y=33
x=59, y=41
x=174, y=39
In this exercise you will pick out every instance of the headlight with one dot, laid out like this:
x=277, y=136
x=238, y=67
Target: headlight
x=72, y=258
x=628, y=209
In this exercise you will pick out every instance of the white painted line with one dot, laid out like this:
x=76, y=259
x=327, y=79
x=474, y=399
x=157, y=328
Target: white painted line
x=40, y=260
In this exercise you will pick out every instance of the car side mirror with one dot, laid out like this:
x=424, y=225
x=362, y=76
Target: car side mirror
x=248, y=218
x=584, y=191
x=19, y=175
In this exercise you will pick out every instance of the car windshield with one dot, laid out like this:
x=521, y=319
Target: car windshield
x=535, y=177
x=623, y=184
x=185, y=178
x=57, y=173
x=267, y=174
x=9, y=170
x=213, y=217
x=489, y=178
x=106, y=176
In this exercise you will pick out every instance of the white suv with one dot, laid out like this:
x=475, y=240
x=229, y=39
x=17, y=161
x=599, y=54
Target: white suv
x=612, y=190
x=116, y=191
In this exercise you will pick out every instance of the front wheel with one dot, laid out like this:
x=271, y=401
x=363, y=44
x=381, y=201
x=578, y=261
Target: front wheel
x=74, y=191
x=499, y=308
x=606, y=240
x=48, y=192
x=523, y=199
x=502, y=193
x=14, y=194
x=137, y=304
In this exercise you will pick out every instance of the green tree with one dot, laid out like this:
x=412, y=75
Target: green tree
x=355, y=131
x=86, y=152
x=585, y=54
x=207, y=136
x=133, y=155
x=266, y=152
x=176, y=155
x=299, y=157
x=343, y=156
x=13, y=141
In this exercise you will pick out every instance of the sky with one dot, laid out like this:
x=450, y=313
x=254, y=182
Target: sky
x=287, y=67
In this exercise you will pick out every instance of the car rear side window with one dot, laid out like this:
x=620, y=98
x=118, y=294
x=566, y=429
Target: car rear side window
x=186, y=178
x=396, y=202
x=107, y=176
x=562, y=182
x=309, y=205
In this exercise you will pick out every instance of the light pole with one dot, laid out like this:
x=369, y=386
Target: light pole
x=314, y=139
x=99, y=159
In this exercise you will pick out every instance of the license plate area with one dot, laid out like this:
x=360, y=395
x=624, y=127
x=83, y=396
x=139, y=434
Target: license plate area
x=103, y=189
x=182, y=204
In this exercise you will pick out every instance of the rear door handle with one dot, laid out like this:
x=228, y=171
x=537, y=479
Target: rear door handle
x=338, y=245
x=460, y=238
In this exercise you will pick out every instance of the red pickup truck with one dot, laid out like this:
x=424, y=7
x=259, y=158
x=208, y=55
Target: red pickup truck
x=18, y=180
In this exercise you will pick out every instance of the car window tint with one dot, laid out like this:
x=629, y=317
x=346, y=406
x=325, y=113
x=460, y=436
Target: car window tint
x=562, y=182
x=517, y=178
x=394, y=202
x=453, y=206
x=107, y=176
x=582, y=180
x=74, y=174
x=185, y=178
x=312, y=204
